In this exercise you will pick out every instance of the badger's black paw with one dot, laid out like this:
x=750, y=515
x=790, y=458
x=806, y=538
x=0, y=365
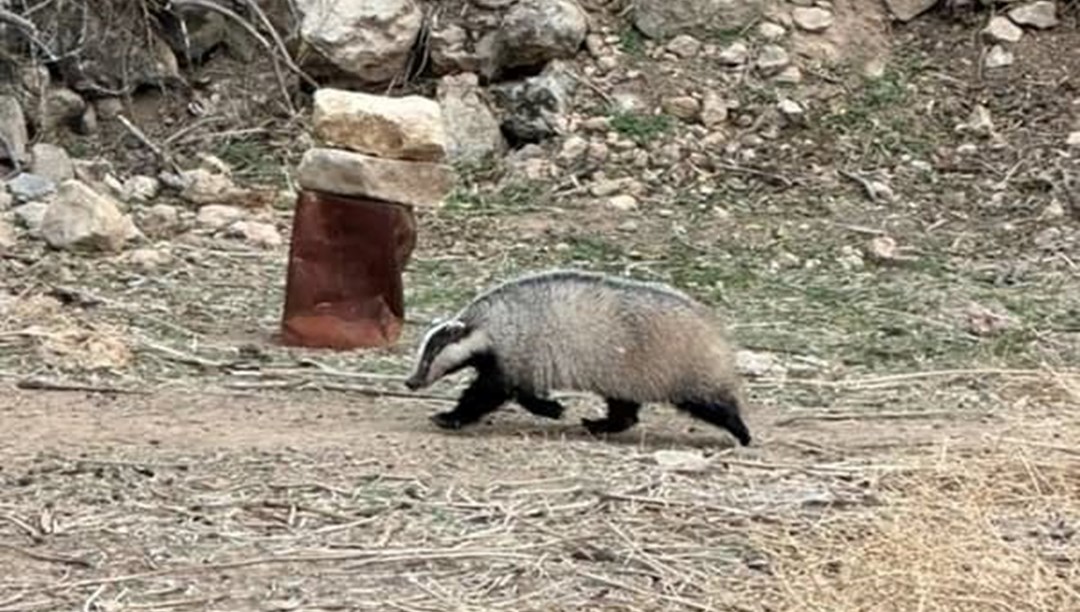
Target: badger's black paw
x=447, y=420
x=598, y=427
x=546, y=408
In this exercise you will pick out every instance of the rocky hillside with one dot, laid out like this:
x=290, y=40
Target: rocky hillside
x=589, y=133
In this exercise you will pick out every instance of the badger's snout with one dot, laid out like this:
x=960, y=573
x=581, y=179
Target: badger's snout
x=414, y=382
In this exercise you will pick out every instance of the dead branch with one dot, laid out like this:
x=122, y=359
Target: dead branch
x=155, y=149
x=48, y=557
x=40, y=384
x=29, y=30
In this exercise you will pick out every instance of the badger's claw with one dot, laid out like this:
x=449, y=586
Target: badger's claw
x=447, y=420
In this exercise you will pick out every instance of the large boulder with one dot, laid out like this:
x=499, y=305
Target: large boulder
x=472, y=129
x=455, y=49
x=370, y=40
x=534, y=108
x=80, y=218
x=354, y=174
x=51, y=162
x=408, y=127
x=534, y=32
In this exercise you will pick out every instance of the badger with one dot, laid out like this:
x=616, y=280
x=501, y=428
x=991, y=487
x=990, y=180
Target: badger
x=630, y=342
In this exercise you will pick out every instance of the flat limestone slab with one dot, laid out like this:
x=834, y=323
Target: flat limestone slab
x=342, y=172
x=408, y=127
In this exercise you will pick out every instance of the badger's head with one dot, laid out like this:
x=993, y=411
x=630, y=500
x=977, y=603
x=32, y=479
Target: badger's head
x=446, y=348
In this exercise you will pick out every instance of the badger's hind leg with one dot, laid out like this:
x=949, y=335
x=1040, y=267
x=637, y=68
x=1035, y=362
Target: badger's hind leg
x=540, y=406
x=621, y=415
x=722, y=412
x=485, y=395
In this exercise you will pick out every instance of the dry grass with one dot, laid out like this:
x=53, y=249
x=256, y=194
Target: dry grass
x=988, y=532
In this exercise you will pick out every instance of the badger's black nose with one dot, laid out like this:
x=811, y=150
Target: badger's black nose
x=412, y=383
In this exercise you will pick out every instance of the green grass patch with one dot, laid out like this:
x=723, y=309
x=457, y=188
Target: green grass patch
x=631, y=42
x=641, y=128
x=252, y=160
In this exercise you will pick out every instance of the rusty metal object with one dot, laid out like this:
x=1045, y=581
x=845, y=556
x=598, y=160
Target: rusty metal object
x=344, y=286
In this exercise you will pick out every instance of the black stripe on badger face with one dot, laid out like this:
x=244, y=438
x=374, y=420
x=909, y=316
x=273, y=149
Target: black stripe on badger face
x=431, y=361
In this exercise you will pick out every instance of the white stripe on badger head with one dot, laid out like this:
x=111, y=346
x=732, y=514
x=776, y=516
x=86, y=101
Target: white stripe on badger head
x=427, y=338
x=457, y=353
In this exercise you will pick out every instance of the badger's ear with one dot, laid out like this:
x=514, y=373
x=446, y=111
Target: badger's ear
x=456, y=328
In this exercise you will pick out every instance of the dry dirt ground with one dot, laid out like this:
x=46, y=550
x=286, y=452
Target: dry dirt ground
x=917, y=427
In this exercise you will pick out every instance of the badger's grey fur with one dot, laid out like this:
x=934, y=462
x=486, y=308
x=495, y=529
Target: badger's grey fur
x=628, y=341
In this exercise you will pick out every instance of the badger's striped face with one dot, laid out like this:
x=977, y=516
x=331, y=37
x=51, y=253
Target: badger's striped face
x=445, y=349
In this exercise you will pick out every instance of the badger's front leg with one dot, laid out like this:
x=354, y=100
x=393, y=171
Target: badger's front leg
x=480, y=398
x=621, y=415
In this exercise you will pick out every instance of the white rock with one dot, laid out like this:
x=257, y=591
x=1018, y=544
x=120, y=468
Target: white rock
x=1041, y=14
x=140, y=188
x=27, y=187
x=472, y=131
x=734, y=54
x=681, y=461
x=255, y=232
x=623, y=203
x=1054, y=210
x=533, y=32
x=771, y=31
x=998, y=57
x=161, y=219
x=216, y=216
x=201, y=186
x=882, y=249
x=51, y=162
x=213, y=164
x=31, y=215
x=148, y=259
x=629, y=102
x=573, y=149
x=1073, y=139
x=80, y=218
x=1000, y=29
x=6, y=199
x=812, y=19
x=407, y=127
x=714, y=110
x=370, y=40
x=979, y=122
x=353, y=174
x=880, y=190
x=756, y=364
x=682, y=107
x=684, y=46
x=606, y=188
x=773, y=59
x=984, y=321
x=790, y=109
x=790, y=75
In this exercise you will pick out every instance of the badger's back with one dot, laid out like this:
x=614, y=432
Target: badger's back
x=619, y=338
